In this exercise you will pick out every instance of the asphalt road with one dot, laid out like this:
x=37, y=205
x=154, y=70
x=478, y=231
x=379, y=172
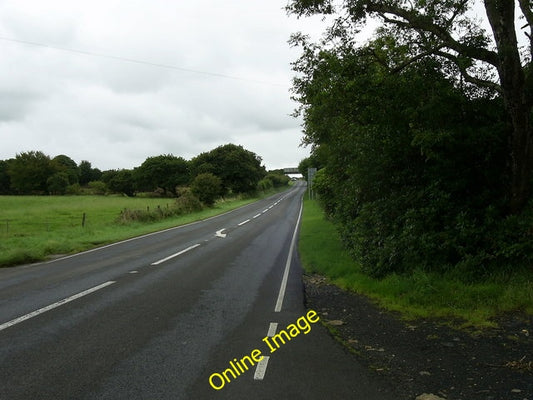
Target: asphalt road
x=156, y=317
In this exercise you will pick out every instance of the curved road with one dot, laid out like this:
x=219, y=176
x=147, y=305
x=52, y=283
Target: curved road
x=157, y=316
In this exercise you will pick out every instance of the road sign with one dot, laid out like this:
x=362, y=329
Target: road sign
x=311, y=172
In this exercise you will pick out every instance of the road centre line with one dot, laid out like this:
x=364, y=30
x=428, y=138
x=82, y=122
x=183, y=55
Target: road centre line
x=273, y=327
x=258, y=215
x=179, y=253
x=243, y=222
x=283, y=286
x=54, y=305
x=261, y=368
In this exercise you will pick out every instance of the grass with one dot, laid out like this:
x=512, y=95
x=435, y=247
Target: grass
x=417, y=295
x=33, y=228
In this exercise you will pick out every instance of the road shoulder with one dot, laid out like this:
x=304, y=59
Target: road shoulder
x=425, y=356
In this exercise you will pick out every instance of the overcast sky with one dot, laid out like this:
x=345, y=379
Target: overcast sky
x=115, y=113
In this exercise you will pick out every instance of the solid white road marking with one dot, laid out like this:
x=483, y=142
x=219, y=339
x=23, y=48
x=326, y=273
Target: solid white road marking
x=272, y=329
x=179, y=253
x=283, y=286
x=243, y=222
x=261, y=369
x=220, y=234
x=54, y=305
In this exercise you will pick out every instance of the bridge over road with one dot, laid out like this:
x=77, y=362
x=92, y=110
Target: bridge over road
x=291, y=171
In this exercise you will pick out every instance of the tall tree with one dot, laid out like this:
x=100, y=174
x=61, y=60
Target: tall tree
x=65, y=164
x=445, y=30
x=88, y=173
x=415, y=170
x=164, y=171
x=5, y=182
x=120, y=181
x=29, y=172
x=239, y=169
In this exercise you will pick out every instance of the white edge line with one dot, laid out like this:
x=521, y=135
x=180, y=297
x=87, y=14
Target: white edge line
x=54, y=305
x=283, y=286
x=243, y=222
x=261, y=369
x=179, y=253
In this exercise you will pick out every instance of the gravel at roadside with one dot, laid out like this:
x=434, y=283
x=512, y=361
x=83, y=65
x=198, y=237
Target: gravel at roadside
x=425, y=359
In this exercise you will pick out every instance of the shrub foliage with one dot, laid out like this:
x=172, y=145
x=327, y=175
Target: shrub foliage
x=415, y=167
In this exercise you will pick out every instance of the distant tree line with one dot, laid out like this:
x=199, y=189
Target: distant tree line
x=225, y=170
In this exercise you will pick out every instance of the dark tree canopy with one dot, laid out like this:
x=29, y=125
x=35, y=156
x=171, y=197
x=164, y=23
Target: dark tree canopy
x=164, y=171
x=492, y=63
x=5, y=181
x=29, y=171
x=88, y=173
x=239, y=169
x=66, y=165
x=120, y=181
x=414, y=150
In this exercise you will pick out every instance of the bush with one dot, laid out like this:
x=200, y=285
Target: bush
x=188, y=203
x=57, y=183
x=74, y=189
x=207, y=188
x=265, y=184
x=97, y=187
x=416, y=171
x=278, y=180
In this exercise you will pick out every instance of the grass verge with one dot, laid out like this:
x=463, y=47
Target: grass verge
x=417, y=295
x=33, y=228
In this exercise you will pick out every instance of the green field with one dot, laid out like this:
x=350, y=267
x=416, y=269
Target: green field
x=418, y=295
x=35, y=228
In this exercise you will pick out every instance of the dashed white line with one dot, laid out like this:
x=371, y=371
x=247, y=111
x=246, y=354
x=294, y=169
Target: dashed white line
x=54, y=305
x=273, y=327
x=179, y=253
x=257, y=216
x=264, y=211
x=134, y=272
x=261, y=368
x=243, y=222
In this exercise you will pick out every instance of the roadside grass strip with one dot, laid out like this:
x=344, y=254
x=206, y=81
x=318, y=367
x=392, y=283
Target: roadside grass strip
x=420, y=294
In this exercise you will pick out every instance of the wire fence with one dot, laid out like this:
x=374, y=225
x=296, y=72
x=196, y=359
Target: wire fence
x=22, y=227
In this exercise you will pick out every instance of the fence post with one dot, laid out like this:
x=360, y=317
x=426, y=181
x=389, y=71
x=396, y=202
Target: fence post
x=83, y=221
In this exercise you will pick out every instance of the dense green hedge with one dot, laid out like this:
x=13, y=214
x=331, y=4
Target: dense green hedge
x=415, y=168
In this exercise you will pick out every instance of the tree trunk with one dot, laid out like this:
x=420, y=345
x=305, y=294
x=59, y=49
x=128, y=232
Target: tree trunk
x=501, y=17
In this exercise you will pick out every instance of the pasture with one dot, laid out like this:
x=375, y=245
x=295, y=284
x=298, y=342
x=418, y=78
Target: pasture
x=35, y=228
